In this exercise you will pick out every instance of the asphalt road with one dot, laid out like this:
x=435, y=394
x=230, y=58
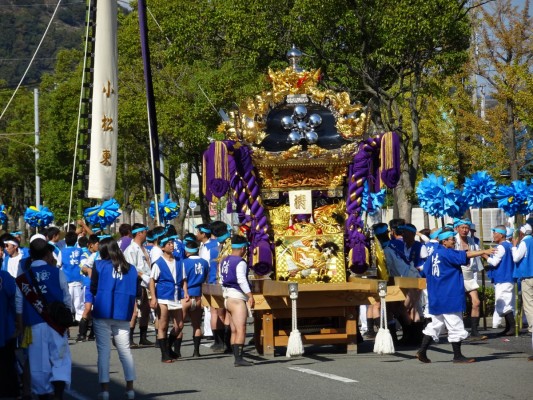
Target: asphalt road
x=501, y=372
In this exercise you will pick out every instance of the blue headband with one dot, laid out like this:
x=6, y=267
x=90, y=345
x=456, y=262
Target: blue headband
x=435, y=234
x=381, y=230
x=498, y=230
x=17, y=233
x=158, y=235
x=458, y=222
x=165, y=240
x=141, y=229
x=220, y=239
x=407, y=228
x=445, y=235
x=103, y=236
x=239, y=245
x=96, y=229
x=189, y=250
x=188, y=239
x=202, y=229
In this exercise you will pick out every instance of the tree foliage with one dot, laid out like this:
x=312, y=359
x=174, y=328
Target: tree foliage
x=24, y=24
x=505, y=61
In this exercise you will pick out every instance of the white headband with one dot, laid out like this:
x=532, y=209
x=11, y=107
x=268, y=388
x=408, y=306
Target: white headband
x=526, y=229
x=11, y=242
x=38, y=236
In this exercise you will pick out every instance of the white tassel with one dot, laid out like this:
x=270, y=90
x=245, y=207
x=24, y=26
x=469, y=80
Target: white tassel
x=295, y=347
x=383, y=343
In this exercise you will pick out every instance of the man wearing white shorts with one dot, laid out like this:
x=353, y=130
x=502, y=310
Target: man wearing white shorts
x=463, y=241
x=501, y=273
x=168, y=274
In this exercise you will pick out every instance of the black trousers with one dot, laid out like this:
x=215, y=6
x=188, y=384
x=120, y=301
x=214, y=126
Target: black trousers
x=8, y=370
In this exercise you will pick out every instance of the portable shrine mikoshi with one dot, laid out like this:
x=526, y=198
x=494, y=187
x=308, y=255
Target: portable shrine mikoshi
x=298, y=170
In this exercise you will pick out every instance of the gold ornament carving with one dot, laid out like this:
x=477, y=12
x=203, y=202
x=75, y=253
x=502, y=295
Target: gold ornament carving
x=249, y=122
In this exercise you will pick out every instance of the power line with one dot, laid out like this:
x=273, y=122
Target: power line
x=41, y=4
x=25, y=59
x=29, y=65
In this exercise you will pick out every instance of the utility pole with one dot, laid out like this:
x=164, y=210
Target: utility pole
x=162, y=169
x=36, y=148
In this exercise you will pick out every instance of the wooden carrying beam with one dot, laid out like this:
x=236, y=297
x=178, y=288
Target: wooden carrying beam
x=340, y=301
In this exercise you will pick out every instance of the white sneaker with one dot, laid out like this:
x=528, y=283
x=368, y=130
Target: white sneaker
x=103, y=396
x=130, y=395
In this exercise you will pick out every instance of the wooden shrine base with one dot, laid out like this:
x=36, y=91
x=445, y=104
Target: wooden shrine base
x=336, y=303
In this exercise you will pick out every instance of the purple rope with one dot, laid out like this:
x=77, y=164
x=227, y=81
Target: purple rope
x=358, y=172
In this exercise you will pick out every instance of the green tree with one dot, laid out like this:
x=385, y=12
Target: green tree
x=505, y=61
x=60, y=93
x=16, y=153
x=22, y=29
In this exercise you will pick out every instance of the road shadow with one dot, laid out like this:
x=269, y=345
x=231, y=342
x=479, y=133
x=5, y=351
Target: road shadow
x=85, y=384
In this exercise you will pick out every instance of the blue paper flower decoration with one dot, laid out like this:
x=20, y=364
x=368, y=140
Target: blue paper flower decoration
x=167, y=209
x=438, y=197
x=104, y=214
x=38, y=217
x=3, y=214
x=428, y=191
x=434, y=195
x=452, y=200
x=461, y=205
x=529, y=196
x=513, y=199
x=372, y=202
x=480, y=187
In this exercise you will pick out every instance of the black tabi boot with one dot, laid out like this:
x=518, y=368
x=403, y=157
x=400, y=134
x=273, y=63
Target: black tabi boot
x=177, y=347
x=165, y=356
x=82, y=333
x=406, y=335
x=132, y=343
x=370, y=333
x=216, y=336
x=59, y=389
x=156, y=344
x=407, y=331
x=458, y=357
x=358, y=337
x=509, y=325
x=196, y=340
x=474, y=333
x=143, y=341
x=377, y=324
x=417, y=335
x=237, y=353
x=172, y=338
x=421, y=353
x=90, y=336
x=218, y=346
x=227, y=340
